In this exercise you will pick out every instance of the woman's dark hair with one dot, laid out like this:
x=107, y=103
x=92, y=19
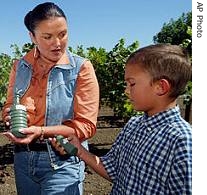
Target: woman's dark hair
x=42, y=12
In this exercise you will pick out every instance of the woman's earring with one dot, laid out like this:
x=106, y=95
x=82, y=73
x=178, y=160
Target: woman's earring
x=35, y=51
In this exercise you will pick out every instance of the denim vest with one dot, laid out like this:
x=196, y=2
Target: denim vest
x=60, y=90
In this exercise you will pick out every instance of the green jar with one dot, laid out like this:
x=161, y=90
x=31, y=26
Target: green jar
x=69, y=148
x=18, y=117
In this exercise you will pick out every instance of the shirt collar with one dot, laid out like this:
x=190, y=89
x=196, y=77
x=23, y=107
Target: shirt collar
x=30, y=58
x=167, y=116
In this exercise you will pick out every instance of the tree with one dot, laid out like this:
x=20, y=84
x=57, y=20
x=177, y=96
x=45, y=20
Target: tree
x=98, y=58
x=176, y=31
x=109, y=68
x=5, y=67
x=112, y=80
x=6, y=63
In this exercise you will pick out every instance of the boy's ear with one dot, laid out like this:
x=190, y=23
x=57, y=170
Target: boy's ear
x=162, y=87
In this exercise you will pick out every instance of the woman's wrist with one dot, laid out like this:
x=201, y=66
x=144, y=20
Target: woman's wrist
x=42, y=133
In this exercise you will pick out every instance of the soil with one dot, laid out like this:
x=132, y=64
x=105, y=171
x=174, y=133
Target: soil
x=93, y=184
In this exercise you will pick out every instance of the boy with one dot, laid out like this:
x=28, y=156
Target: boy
x=152, y=154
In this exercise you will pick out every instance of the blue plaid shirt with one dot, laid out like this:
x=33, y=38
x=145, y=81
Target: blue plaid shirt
x=151, y=156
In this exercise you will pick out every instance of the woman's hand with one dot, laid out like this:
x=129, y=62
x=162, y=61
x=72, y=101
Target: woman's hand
x=31, y=133
x=7, y=117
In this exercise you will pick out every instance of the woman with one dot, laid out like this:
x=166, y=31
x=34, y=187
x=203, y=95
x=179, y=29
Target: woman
x=61, y=95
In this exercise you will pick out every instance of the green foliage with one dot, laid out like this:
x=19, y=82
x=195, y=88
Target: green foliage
x=98, y=58
x=187, y=43
x=6, y=63
x=109, y=68
x=18, y=53
x=188, y=91
x=176, y=31
x=129, y=110
x=112, y=78
x=79, y=51
x=188, y=94
x=27, y=47
x=5, y=67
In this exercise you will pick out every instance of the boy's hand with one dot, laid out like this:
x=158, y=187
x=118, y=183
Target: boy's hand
x=72, y=139
x=57, y=146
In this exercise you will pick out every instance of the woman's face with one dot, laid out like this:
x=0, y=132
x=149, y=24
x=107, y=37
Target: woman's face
x=51, y=38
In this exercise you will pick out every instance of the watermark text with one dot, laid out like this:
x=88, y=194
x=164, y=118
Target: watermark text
x=199, y=20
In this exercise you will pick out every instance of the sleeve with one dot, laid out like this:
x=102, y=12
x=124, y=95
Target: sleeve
x=86, y=103
x=111, y=159
x=9, y=99
x=180, y=177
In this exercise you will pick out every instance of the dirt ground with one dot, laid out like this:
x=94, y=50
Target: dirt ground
x=93, y=185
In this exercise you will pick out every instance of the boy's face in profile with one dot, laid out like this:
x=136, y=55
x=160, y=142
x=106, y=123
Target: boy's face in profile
x=139, y=89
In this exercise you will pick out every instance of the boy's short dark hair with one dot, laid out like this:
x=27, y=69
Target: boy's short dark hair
x=165, y=61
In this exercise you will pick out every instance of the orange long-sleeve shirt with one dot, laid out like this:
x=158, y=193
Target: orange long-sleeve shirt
x=86, y=98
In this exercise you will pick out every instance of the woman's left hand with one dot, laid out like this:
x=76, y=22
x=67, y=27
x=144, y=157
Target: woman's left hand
x=32, y=132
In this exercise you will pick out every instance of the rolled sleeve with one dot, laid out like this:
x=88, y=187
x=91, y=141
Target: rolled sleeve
x=86, y=102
